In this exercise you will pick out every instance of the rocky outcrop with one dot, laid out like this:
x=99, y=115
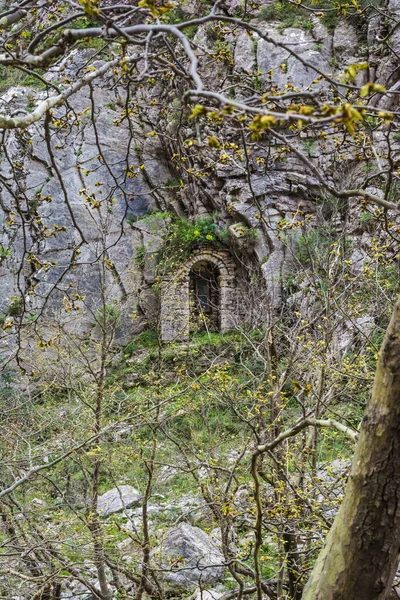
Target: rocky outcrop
x=280, y=66
x=107, y=210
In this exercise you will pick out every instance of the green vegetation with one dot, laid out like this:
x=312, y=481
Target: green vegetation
x=309, y=145
x=333, y=63
x=183, y=236
x=293, y=15
x=140, y=256
x=12, y=77
x=173, y=183
x=315, y=243
x=176, y=16
x=16, y=306
x=288, y=14
x=4, y=253
x=147, y=339
x=108, y=315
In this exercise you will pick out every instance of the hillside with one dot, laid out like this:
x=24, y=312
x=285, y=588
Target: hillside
x=199, y=260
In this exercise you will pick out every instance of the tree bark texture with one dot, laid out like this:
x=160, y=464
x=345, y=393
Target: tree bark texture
x=361, y=553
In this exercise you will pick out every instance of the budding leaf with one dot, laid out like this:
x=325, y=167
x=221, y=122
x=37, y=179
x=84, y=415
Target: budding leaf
x=370, y=88
x=91, y=7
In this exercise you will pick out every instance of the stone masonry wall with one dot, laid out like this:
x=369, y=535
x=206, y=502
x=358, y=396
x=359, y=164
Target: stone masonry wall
x=175, y=305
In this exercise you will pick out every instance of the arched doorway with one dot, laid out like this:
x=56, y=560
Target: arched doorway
x=205, y=297
x=202, y=289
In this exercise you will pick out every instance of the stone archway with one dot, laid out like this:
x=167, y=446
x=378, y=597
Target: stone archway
x=204, y=283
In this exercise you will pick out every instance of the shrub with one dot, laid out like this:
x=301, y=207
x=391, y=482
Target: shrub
x=292, y=15
x=16, y=306
x=184, y=236
x=315, y=243
x=108, y=315
x=147, y=339
x=4, y=253
x=140, y=256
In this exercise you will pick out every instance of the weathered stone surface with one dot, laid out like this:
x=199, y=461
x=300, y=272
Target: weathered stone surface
x=346, y=49
x=115, y=500
x=83, y=174
x=272, y=271
x=323, y=36
x=286, y=67
x=245, y=52
x=208, y=594
x=192, y=556
x=345, y=39
x=130, y=284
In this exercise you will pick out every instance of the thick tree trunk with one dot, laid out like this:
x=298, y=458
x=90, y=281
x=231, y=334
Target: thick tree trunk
x=361, y=553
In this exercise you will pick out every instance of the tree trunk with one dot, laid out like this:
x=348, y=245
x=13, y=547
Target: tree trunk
x=361, y=553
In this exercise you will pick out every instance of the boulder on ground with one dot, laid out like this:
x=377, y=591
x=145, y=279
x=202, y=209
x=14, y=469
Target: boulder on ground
x=207, y=594
x=191, y=557
x=115, y=500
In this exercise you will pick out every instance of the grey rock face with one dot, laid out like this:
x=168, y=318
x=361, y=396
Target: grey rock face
x=278, y=189
x=192, y=556
x=322, y=35
x=245, y=52
x=286, y=68
x=345, y=39
x=115, y=500
x=77, y=159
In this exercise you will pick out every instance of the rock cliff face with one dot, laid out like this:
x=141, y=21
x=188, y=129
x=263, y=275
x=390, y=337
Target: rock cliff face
x=94, y=195
x=109, y=206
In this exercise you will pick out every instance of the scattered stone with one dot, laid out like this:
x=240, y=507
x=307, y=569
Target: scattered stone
x=192, y=557
x=207, y=594
x=37, y=502
x=115, y=500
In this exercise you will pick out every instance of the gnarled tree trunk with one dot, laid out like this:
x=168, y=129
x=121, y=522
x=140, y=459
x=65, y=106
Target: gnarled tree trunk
x=361, y=553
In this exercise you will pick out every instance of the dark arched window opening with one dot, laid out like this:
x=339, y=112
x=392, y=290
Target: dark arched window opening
x=204, y=297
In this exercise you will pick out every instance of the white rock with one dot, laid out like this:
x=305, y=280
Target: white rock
x=192, y=556
x=115, y=500
x=38, y=502
x=207, y=595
